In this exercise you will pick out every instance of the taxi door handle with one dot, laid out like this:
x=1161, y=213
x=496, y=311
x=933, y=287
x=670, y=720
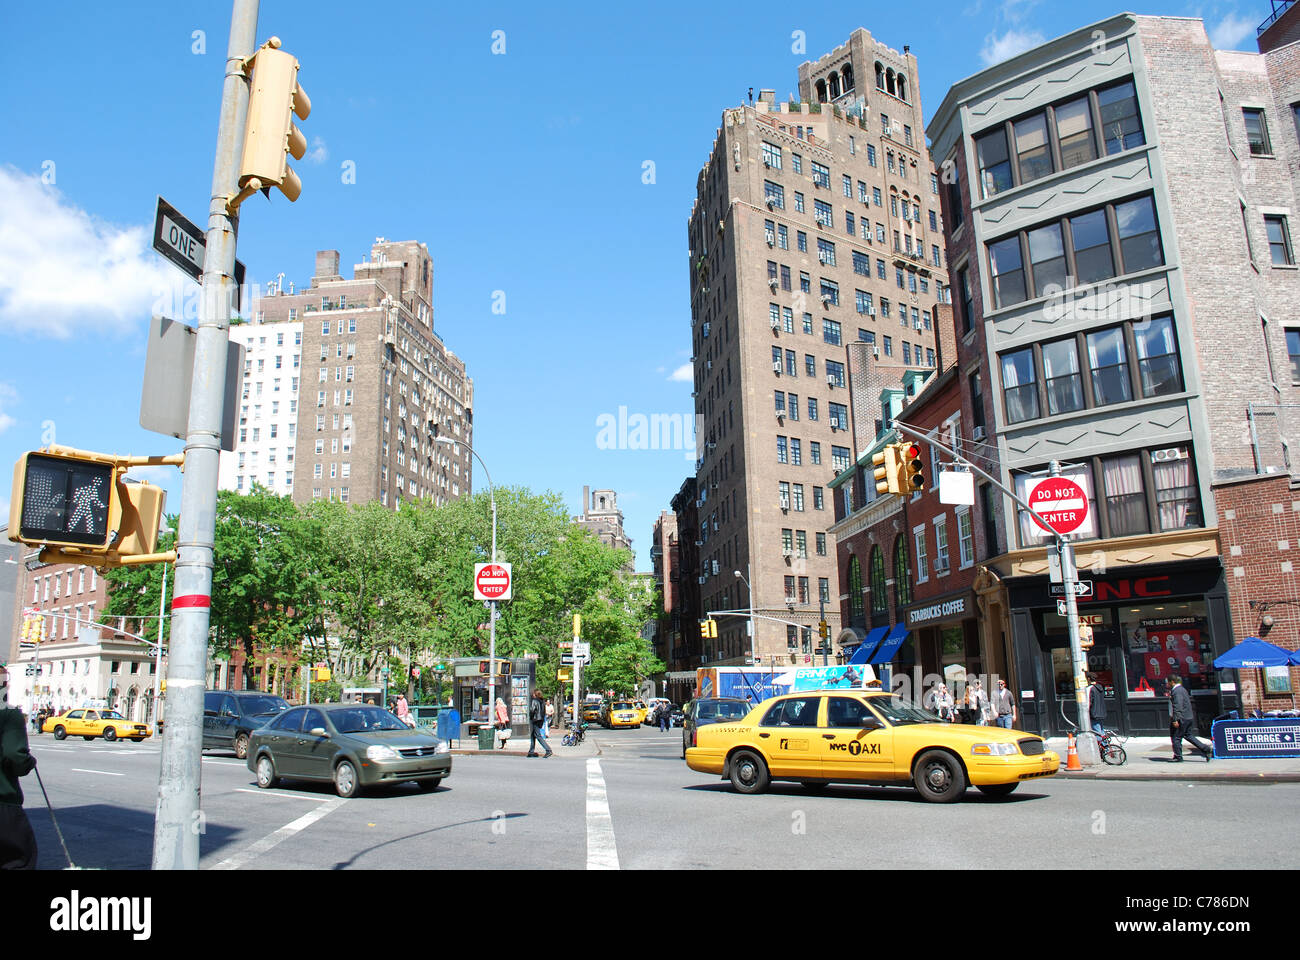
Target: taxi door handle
x=764, y=735
x=828, y=736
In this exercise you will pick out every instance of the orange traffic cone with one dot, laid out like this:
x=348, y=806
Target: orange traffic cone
x=1072, y=756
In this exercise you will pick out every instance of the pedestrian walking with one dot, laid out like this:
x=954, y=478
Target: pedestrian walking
x=980, y=707
x=550, y=715
x=1096, y=704
x=1182, y=721
x=17, y=841
x=1004, y=706
x=403, y=710
x=665, y=716
x=943, y=702
x=502, y=723
x=536, y=722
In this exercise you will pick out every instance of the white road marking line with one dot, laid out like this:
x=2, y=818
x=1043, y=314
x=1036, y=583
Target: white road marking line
x=287, y=796
x=104, y=773
x=279, y=836
x=602, y=853
x=229, y=763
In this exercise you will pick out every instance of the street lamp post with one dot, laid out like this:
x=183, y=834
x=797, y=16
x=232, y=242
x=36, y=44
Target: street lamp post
x=750, y=588
x=492, y=619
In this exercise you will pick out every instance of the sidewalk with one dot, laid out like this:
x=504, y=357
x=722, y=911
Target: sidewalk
x=1151, y=758
x=517, y=746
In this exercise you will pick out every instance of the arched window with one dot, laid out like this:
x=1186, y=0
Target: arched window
x=855, y=589
x=834, y=85
x=846, y=76
x=878, y=602
x=902, y=574
x=880, y=77
x=821, y=91
x=889, y=81
x=902, y=87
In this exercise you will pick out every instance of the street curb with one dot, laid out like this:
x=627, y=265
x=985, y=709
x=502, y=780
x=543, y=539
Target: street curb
x=1186, y=778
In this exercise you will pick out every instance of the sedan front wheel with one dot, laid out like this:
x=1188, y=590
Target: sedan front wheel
x=345, y=779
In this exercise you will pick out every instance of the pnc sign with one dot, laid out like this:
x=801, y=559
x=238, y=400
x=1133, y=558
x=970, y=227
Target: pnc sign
x=492, y=581
x=1060, y=503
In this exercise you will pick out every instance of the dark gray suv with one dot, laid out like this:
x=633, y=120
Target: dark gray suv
x=702, y=712
x=230, y=716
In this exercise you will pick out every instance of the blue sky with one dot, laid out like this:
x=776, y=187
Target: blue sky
x=523, y=171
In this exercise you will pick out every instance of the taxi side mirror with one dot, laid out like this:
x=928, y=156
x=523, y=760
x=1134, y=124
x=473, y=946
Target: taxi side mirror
x=871, y=723
x=318, y=732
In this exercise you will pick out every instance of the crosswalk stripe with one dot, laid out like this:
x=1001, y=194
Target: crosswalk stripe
x=602, y=852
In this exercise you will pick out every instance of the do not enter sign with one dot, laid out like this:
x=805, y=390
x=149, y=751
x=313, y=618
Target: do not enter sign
x=492, y=581
x=1060, y=502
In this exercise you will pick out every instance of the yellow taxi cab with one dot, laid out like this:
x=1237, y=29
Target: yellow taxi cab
x=821, y=737
x=623, y=713
x=91, y=723
x=591, y=710
x=642, y=709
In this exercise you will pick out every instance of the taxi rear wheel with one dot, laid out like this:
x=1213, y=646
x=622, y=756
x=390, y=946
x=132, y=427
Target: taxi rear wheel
x=938, y=777
x=998, y=789
x=749, y=772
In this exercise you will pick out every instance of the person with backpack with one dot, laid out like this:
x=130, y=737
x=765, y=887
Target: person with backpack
x=536, y=721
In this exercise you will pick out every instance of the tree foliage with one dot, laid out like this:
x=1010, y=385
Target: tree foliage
x=380, y=584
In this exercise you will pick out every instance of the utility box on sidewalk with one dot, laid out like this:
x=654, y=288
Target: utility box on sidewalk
x=486, y=736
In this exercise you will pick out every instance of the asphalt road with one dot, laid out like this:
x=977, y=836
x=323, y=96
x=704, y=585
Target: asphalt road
x=639, y=807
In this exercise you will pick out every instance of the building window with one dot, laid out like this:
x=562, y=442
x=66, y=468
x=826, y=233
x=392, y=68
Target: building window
x=879, y=603
x=771, y=155
x=922, y=558
x=941, y=545
x=965, y=538
x=1256, y=132
x=1061, y=377
x=1019, y=385
x=774, y=194
x=1293, y=351
x=902, y=576
x=1108, y=360
x=1279, y=241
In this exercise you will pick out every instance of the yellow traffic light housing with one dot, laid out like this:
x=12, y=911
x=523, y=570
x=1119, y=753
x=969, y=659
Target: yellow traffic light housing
x=912, y=475
x=78, y=507
x=709, y=629
x=269, y=133
x=887, y=465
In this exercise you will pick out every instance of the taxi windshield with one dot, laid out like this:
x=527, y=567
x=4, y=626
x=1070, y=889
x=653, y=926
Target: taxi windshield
x=623, y=706
x=110, y=715
x=899, y=712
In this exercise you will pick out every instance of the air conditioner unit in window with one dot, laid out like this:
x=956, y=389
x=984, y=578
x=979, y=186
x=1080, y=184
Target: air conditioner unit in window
x=771, y=202
x=824, y=258
x=776, y=367
x=790, y=601
x=780, y=414
x=826, y=299
x=788, y=554
x=830, y=379
x=703, y=580
x=776, y=325
x=875, y=353
x=771, y=282
x=767, y=163
x=771, y=242
x=978, y=433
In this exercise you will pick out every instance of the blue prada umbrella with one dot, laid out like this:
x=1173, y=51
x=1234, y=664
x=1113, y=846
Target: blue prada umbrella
x=1254, y=652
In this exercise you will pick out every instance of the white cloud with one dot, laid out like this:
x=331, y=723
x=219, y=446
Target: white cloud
x=1231, y=31
x=63, y=271
x=318, y=152
x=999, y=48
x=7, y=395
x=683, y=374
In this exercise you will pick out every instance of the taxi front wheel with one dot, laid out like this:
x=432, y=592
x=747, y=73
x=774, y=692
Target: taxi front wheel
x=749, y=772
x=939, y=777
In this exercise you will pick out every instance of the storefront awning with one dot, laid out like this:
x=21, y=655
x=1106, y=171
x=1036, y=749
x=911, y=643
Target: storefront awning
x=863, y=653
x=889, y=646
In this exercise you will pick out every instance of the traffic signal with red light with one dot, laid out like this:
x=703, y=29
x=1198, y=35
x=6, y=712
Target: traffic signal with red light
x=912, y=477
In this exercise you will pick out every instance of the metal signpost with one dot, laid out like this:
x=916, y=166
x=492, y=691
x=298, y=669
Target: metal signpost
x=1061, y=509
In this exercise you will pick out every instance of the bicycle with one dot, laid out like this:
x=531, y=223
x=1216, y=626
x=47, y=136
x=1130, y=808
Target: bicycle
x=576, y=735
x=1110, y=743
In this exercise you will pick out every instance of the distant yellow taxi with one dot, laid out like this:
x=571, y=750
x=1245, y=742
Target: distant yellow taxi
x=591, y=711
x=623, y=713
x=90, y=723
x=822, y=737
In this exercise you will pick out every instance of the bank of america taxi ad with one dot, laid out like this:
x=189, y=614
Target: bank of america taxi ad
x=817, y=738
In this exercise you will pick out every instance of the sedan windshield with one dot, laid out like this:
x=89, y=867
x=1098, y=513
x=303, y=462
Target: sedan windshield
x=365, y=719
x=899, y=712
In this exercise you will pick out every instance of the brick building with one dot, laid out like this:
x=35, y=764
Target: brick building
x=1118, y=207
x=815, y=226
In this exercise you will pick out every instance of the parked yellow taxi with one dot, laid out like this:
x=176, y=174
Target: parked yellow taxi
x=821, y=737
x=623, y=713
x=92, y=723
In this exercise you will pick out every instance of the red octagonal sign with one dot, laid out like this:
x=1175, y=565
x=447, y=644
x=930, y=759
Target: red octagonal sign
x=492, y=581
x=1061, y=503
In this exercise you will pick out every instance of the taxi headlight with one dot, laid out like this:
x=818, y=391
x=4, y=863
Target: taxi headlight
x=380, y=752
x=994, y=750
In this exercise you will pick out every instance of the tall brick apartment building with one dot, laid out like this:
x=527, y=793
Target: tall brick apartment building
x=376, y=385
x=1118, y=205
x=816, y=225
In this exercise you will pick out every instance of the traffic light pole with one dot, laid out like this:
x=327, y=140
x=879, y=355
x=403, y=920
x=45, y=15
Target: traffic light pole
x=177, y=825
x=1087, y=745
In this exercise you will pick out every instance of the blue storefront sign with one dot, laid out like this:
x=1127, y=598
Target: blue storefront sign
x=1256, y=738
